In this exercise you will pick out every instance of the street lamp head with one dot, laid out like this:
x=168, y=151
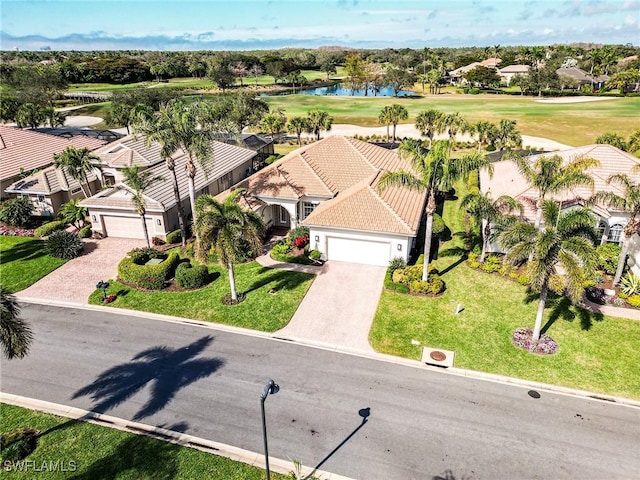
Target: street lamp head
x=270, y=388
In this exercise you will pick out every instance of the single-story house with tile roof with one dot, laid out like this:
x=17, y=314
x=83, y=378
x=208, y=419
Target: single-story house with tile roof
x=50, y=188
x=113, y=214
x=23, y=151
x=457, y=76
x=507, y=73
x=583, y=77
x=610, y=222
x=331, y=187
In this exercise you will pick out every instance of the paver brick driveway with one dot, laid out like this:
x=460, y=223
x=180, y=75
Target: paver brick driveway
x=76, y=280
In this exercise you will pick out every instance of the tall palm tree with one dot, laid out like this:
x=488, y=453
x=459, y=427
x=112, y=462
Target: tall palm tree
x=549, y=176
x=487, y=211
x=629, y=202
x=393, y=114
x=507, y=135
x=318, y=120
x=297, y=125
x=428, y=122
x=15, y=334
x=567, y=241
x=181, y=128
x=453, y=123
x=74, y=214
x=225, y=227
x=273, y=123
x=77, y=163
x=484, y=131
x=433, y=171
x=139, y=181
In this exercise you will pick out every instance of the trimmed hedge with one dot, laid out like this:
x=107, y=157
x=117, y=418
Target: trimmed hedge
x=48, y=228
x=174, y=237
x=85, y=232
x=189, y=276
x=151, y=277
x=395, y=287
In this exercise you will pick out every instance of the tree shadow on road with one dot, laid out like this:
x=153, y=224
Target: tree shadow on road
x=166, y=370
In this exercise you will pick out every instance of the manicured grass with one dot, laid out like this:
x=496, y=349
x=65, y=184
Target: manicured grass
x=596, y=353
x=260, y=310
x=24, y=261
x=101, y=452
x=570, y=123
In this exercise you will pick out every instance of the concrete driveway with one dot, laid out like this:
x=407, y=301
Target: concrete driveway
x=76, y=280
x=339, y=307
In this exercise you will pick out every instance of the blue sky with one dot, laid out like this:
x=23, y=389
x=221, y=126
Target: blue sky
x=262, y=24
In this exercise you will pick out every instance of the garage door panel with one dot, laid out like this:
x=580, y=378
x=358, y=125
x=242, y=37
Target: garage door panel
x=358, y=251
x=126, y=227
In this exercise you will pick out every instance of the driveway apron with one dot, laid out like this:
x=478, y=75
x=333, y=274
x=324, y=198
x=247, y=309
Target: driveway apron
x=76, y=280
x=339, y=307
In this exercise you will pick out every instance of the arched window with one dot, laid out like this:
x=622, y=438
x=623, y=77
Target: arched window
x=615, y=233
x=601, y=229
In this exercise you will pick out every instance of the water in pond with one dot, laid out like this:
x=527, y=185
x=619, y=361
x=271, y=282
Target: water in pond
x=342, y=91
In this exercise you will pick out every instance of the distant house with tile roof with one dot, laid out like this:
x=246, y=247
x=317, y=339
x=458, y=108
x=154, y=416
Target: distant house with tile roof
x=112, y=211
x=507, y=73
x=507, y=180
x=23, y=151
x=457, y=76
x=331, y=187
x=583, y=77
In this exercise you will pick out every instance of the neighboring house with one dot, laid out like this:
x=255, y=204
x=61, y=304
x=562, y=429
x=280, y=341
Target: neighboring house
x=507, y=73
x=24, y=151
x=331, y=187
x=70, y=132
x=50, y=188
x=259, y=144
x=506, y=180
x=457, y=76
x=112, y=212
x=583, y=77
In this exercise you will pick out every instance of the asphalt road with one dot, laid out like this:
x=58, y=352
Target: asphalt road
x=421, y=424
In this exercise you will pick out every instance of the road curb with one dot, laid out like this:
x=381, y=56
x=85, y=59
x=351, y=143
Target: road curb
x=491, y=377
x=177, y=438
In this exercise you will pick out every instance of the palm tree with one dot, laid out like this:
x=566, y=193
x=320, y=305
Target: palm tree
x=74, y=214
x=428, y=122
x=392, y=114
x=181, y=128
x=15, y=334
x=507, y=135
x=139, y=181
x=433, y=171
x=297, y=125
x=566, y=241
x=487, y=211
x=629, y=202
x=273, y=122
x=225, y=227
x=453, y=123
x=77, y=163
x=484, y=130
x=318, y=120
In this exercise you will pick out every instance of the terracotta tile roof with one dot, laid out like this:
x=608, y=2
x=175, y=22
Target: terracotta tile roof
x=491, y=62
x=129, y=151
x=515, y=69
x=25, y=150
x=226, y=158
x=47, y=181
x=508, y=181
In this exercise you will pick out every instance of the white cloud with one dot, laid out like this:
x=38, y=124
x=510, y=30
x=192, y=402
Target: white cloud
x=630, y=5
x=630, y=20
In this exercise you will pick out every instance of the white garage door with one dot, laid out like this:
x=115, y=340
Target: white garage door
x=126, y=227
x=358, y=251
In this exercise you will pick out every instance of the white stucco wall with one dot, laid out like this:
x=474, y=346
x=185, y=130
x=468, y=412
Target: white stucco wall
x=634, y=255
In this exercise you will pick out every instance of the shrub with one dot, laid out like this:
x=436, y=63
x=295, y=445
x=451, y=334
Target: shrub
x=140, y=256
x=63, y=244
x=174, y=237
x=623, y=295
x=396, y=263
x=433, y=286
x=595, y=295
x=151, y=277
x=188, y=276
x=272, y=158
x=157, y=241
x=630, y=284
x=48, y=228
x=315, y=255
x=299, y=237
x=85, y=232
x=18, y=444
x=420, y=260
x=16, y=211
x=523, y=280
x=608, y=257
x=418, y=286
x=389, y=284
x=492, y=264
x=282, y=248
x=634, y=301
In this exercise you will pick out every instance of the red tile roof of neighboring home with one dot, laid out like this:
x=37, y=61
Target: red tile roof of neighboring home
x=507, y=180
x=25, y=150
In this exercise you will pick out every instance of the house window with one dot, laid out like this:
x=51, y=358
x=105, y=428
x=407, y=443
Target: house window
x=615, y=233
x=283, y=215
x=205, y=190
x=75, y=191
x=109, y=180
x=601, y=230
x=307, y=208
x=226, y=181
x=41, y=198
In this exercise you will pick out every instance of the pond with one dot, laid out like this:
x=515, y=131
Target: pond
x=339, y=90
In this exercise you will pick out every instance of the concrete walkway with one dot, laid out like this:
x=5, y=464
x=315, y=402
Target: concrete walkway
x=76, y=280
x=339, y=307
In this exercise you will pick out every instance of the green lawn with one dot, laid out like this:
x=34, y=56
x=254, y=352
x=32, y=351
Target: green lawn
x=100, y=452
x=24, y=261
x=260, y=311
x=596, y=353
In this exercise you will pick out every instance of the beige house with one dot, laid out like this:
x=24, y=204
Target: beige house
x=112, y=211
x=610, y=222
x=507, y=73
x=457, y=76
x=25, y=151
x=331, y=187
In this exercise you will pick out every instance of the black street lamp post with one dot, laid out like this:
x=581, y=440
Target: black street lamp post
x=103, y=285
x=270, y=388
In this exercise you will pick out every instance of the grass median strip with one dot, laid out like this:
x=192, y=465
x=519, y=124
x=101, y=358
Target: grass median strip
x=86, y=451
